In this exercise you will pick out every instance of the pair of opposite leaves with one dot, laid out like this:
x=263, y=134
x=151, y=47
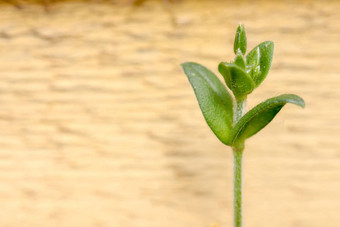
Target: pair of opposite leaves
x=242, y=77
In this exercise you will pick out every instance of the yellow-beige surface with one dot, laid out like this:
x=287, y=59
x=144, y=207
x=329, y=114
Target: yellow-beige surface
x=100, y=127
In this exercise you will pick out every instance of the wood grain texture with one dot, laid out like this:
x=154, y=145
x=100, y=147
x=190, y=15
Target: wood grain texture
x=100, y=127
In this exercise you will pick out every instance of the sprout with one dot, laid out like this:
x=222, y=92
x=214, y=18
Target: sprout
x=224, y=112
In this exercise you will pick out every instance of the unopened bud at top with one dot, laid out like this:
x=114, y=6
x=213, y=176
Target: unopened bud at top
x=240, y=40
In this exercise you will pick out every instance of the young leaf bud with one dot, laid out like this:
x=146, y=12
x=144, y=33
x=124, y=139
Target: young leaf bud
x=240, y=60
x=240, y=40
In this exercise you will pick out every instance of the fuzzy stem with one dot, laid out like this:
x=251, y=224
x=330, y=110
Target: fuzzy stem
x=239, y=111
x=238, y=152
x=237, y=188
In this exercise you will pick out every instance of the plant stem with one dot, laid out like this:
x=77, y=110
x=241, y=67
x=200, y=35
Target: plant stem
x=237, y=188
x=239, y=111
x=238, y=152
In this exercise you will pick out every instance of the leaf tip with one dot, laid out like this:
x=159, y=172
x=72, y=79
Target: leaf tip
x=185, y=64
x=295, y=99
x=269, y=43
x=301, y=102
x=188, y=66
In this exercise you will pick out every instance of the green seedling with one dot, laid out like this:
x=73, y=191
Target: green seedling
x=224, y=112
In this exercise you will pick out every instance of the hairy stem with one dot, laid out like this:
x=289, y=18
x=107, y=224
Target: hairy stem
x=239, y=111
x=238, y=152
x=237, y=188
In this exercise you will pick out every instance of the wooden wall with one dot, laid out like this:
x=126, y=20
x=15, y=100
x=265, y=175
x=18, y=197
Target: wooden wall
x=100, y=127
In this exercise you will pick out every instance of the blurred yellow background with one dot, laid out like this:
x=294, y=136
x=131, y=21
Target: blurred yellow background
x=100, y=127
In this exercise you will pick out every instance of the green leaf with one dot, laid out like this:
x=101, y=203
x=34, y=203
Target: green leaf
x=236, y=79
x=213, y=98
x=240, y=40
x=258, y=117
x=240, y=60
x=259, y=61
